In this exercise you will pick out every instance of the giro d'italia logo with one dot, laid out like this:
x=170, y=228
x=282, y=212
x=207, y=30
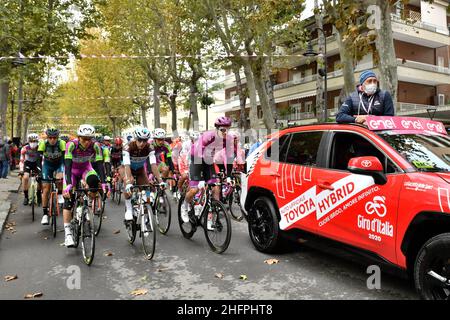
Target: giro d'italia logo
x=376, y=206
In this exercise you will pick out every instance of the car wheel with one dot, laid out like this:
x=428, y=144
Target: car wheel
x=432, y=269
x=263, y=226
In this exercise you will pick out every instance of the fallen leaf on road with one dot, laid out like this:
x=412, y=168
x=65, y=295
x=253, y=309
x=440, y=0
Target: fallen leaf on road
x=161, y=269
x=243, y=277
x=33, y=295
x=105, y=217
x=116, y=232
x=144, y=278
x=108, y=254
x=271, y=261
x=219, y=275
x=139, y=292
x=10, y=278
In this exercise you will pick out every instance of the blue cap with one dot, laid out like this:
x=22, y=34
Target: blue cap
x=366, y=75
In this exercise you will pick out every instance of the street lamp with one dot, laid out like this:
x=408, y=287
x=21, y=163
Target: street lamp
x=323, y=72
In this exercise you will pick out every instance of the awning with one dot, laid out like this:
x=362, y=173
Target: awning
x=296, y=96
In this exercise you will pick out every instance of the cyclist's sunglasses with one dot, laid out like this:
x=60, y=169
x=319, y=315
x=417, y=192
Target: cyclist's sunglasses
x=142, y=140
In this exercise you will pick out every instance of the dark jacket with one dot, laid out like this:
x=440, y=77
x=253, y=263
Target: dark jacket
x=382, y=105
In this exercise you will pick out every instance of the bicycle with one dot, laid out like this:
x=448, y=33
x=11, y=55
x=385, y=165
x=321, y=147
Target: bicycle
x=98, y=213
x=116, y=187
x=55, y=207
x=210, y=210
x=231, y=194
x=161, y=207
x=82, y=223
x=142, y=221
x=32, y=191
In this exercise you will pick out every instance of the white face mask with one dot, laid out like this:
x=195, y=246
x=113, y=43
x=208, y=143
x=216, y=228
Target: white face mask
x=33, y=145
x=370, y=89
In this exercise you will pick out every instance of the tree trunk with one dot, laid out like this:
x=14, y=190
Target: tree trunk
x=320, y=81
x=113, y=121
x=4, y=89
x=253, y=115
x=257, y=68
x=347, y=66
x=19, y=108
x=242, y=96
x=25, y=128
x=386, y=52
x=173, y=108
x=156, y=109
x=269, y=89
x=144, y=116
x=193, y=102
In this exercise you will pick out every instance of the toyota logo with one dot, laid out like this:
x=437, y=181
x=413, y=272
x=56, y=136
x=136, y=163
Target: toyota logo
x=366, y=163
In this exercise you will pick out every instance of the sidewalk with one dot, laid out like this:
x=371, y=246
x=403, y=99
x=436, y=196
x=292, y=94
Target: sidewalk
x=6, y=187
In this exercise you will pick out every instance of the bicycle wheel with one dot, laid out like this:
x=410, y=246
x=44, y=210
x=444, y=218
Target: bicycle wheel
x=163, y=212
x=131, y=228
x=54, y=207
x=187, y=228
x=118, y=192
x=235, y=200
x=32, y=195
x=148, y=234
x=98, y=215
x=218, y=232
x=88, y=235
x=75, y=225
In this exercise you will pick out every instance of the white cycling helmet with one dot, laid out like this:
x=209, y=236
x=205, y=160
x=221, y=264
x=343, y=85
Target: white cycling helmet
x=86, y=130
x=106, y=138
x=142, y=133
x=194, y=134
x=159, y=133
x=33, y=137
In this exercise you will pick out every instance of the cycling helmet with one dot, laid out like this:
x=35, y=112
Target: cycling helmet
x=52, y=132
x=106, y=138
x=159, y=133
x=142, y=133
x=86, y=130
x=222, y=122
x=33, y=137
x=65, y=137
x=118, y=141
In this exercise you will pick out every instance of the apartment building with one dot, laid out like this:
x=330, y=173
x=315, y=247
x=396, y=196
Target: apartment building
x=422, y=47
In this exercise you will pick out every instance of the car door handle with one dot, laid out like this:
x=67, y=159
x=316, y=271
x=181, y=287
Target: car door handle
x=274, y=174
x=325, y=185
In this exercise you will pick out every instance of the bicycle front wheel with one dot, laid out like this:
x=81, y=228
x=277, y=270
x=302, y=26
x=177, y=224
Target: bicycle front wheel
x=148, y=234
x=217, y=226
x=88, y=235
x=32, y=195
x=54, y=207
x=235, y=205
x=98, y=214
x=163, y=213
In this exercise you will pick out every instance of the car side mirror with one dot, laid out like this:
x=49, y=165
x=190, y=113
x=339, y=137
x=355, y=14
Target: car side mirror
x=369, y=166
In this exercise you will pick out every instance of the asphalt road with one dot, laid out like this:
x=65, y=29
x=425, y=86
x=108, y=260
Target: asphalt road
x=181, y=268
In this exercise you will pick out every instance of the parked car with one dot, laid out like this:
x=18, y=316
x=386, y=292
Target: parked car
x=383, y=189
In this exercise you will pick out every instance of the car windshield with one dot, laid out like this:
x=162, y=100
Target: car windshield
x=426, y=152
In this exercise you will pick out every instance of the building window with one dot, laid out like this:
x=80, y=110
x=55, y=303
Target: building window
x=296, y=109
x=296, y=75
x=442, y=99
x=308, y=106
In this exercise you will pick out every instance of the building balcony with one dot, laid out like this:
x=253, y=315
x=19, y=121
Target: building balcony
x=422, y=73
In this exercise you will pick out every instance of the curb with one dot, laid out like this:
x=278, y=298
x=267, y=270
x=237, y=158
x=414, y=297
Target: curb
x=5, y=208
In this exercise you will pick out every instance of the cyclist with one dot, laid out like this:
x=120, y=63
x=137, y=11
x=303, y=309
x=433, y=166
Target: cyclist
x=65, y=138
x=163, y=152
x=116, y=153
x=52, y=150
x=30, y=160
x=137, y=156
x=107, y=141
x=77, y=166
x=183, y=160
x=203, y=153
